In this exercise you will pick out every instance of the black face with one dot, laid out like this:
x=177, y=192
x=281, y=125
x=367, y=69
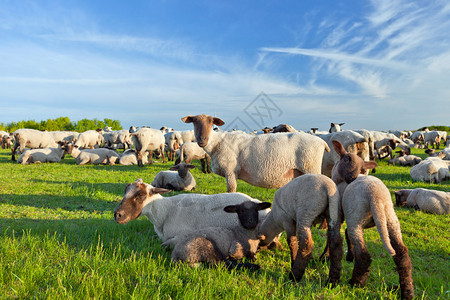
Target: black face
x=350, y=167
x=399, y=199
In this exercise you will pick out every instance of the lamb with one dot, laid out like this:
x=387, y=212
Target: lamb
x=116, y=137
x=7, y=141
x=381, y=139
x=129, y=157
x=190, y=151
x=417, y=136
x=432, y=169
x=283, y=128
x=2, y=135
x=166, y=129
x=90, y=139
x=93, y=156
x=334, y=127
x=148, y=139
x=215, y=244
x=432, y=201
x=42, y=155
x=432, y=153
x=179, y=214
x=405, y=160
x=366, y=202
x=173, y=141
x=297, y=206
x=31, y=138
x=266, y=160
x=443, y=135
x=178, y=178
x=432, y=138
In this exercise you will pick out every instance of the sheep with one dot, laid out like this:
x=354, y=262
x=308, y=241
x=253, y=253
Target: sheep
x=383, y=152
x=179, y=214
x=400, y=134
x=370, y=141
x=173, y=141
x=446, y=152
x=93, y=156
x=366, y=202
x=31, y=138
x=432, y=169
x=117, y=137
x=215, y=244
x=166, y=129
x=316, y=131
x=432, y=138
x=90, y=139
x=148, y=139
x=432, y=201
x=266, y=130
x=129, y=157
x=417, y=136
x=2, y=135
x=178, y=178
x=352, y=141
x=7, y=141
x=297, y=206
x=64, y=136
x=405, y=160
x=190, y=151
x=381, y=139
x=266, y=160
x=42, y=155
x=334, y=127
x=283, y=128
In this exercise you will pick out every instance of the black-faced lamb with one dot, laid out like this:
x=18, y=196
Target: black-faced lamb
x=334, y=127
x=215, y=244
x=432, y=201
x=190, y=151
x=366, y=202
x=93, y=156
x=266, y=160
x=178, y=178
x=297, y=206
x=129, y=157
x=31, y=138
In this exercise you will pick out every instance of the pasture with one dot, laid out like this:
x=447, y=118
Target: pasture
x=59, y=241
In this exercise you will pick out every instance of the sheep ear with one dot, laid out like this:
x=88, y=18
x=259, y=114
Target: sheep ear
x=188, y=119
x=230, y=208
x=340, y=124
x=174, y=168
x=218, y=122
x=190, y=166
x=339, y=148
x=370, y=165
x=139, y=180
x=157, y=190
x=264, y=205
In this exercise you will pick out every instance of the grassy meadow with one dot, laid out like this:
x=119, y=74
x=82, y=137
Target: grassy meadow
x=59, y=241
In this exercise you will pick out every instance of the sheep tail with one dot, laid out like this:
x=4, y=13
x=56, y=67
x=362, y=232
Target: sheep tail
x=379, y=217
x=327, y=148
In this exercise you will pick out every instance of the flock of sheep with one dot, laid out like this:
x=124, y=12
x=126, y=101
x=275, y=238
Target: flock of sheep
x=320, y=177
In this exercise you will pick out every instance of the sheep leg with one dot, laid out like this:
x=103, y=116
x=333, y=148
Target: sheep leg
x=162, y=151
x=334, y=241
x=362, y=257
x=202, y=161
x=349, y=256
x=231, y=183
x=403, y=263
x=208, y=163
x=301, y=252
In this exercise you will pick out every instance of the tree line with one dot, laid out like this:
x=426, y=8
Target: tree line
x=62, y=123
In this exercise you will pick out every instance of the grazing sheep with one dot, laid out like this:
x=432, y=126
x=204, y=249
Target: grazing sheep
x=129, y=157
x=432, y=169
x=381, y=139
x=179, y=214
x=178, y=178
x=432, y=201
x=297, y=206
x=148, y=139
x=266, y=160
x=417, y=136
x=31, y=138
x=432, y=138
x=94, y=156
x=366, y=202
x=90, y=139
x=334, y=127
x=116, y=137
x=215, y=244
x=51, y=155
x=7, y=141
x=190, y=151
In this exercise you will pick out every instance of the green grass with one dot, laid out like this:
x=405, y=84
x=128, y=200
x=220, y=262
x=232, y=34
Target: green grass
x=59, y=241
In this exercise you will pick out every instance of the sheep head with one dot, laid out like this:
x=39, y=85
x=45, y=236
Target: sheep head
x=203, y=125
x=183, y=169
x=248, y=212
x=401, y=196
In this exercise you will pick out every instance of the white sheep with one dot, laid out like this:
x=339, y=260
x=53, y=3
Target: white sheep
x=148, y=139
x=417, y=136
x=215, y=244
x=432, y=169
x=190, y=151
x=432, y=201
x=283, y=128
x=129, y=157
x=173, y=141
x=266, y=160
x=113, y=138
x=405, y=160
x=93, y=156
x=334, y=127
x=297, y=206
x=31, y=138
x=179, y=214
x=316, y=131
x=178, y=178
x=90, y=139
x=64, y=136
x=42, y=155
x=432, y=138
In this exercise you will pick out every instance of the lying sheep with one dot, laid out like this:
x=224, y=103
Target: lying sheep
x=297, y=206
x=178, y=178
x=93, y=156
x=190, y=151
x=266, y=160
x=129, y=157
x=215, y=244
x=366, y=202
x=31, y=138
x=405, y=160
x=436, y=202
x=90, y=139
x=432, y=169
x=179, y=214
x=51, y=155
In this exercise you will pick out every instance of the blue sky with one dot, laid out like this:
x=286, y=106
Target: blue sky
x=377, y=64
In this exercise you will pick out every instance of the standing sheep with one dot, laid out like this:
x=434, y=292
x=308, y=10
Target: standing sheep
x=178, y=178
x=190, y=151
x=31, y=138
x=297, y=206
x=436, y=202
x=90, y=139
x=148, y=139
x=266, y=160
x=334, y=127
x=215, y=244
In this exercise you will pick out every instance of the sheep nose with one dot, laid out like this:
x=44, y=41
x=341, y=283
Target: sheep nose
x=117, y=216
